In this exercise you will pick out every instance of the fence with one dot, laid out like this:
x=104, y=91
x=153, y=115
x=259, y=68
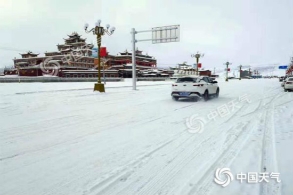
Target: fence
x=153, y=78
x=53, y=79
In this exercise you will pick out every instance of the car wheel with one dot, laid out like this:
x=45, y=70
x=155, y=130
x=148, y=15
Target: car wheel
x=176, y=98
x=217, y=93
x=285, y=90
x=206, y=95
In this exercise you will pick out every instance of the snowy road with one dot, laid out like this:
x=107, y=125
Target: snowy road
x=61, y=138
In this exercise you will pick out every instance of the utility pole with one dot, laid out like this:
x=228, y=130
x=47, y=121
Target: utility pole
x=133, y=32
x=214, y=71
x=240, y=72
x=227, y=69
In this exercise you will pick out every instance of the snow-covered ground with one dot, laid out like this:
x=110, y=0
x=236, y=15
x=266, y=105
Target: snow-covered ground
x=63, y=138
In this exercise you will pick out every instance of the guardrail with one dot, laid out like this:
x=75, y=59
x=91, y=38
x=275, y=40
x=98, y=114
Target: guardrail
x=54, y=79
x=153, y=78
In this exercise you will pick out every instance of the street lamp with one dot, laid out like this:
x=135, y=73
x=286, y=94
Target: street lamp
x=227, y=68
x=197, y=56
x=99, y=31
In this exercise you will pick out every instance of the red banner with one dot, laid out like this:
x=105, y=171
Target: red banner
x=103, y=52
x=199, y=65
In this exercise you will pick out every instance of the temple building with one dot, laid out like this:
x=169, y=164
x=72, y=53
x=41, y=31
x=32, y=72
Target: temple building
x=75, y=53
x=75, y=59
x=125, y=58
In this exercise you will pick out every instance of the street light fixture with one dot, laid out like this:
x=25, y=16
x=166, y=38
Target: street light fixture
x=227, y=68
x=99, y=31
x=197, y=56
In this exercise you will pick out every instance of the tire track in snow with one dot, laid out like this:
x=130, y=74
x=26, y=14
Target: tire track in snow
x=245, y=107
x=58, y=144
x=232, y=147
x=181, y=156
x=128, y=169
x=152, y=182
x=16, y=132
x=86, y=174
x=268, y=160
x=184, y=156
x=184, y=160
x=261, y=100
x=116, y=187
x=206, y=184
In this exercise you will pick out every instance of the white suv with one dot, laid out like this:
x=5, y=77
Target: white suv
x=288, y=85
x=195, y=87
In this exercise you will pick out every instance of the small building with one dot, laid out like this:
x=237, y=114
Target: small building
x=245, y=74
x=10, y=71
x=29, y=54
x=31, y=71
x=205, y=73
x=126, y=58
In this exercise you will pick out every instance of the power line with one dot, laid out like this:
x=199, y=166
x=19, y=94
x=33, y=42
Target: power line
x=17, y=50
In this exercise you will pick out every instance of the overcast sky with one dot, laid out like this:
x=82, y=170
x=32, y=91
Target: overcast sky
x=241, y=31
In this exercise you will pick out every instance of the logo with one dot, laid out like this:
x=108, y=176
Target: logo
x=223, y=172
x=50, y=67
x=195, y=124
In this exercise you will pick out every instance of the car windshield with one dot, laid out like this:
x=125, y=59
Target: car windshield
x=290, y=79
x=187, y=79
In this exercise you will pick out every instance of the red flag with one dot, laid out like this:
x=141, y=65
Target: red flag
x=103, y=52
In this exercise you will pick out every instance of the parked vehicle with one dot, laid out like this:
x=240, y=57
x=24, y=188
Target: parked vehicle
x=285, y=79
x=195, y=87
x=288, y=85
x=281, y=79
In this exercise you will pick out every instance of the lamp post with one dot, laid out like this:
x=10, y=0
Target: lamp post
x=227, y=68
x=197, y=56
x=99, y=31
x=240, y=72
x=104, y=73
